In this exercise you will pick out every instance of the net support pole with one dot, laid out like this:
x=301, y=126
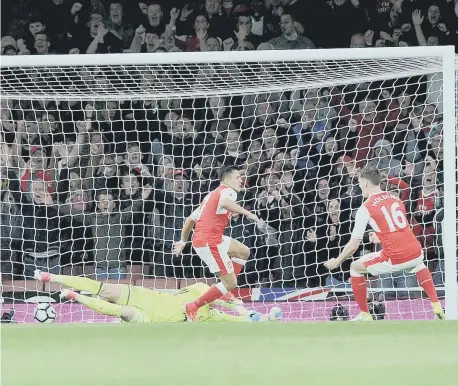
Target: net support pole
x=449, y=229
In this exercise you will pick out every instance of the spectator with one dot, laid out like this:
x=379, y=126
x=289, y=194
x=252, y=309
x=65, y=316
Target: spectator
x=40, y=234
x=268, y=198
x=108, y=225
x=290, y=38
x=347, y=17
x=117, y=26
x=330, y=237
x=75, y=200
x=212, y=44
x=234, y=154
x=109, y=123
x=244, y=37
x=135, y=197
x=383, y=159
x=424, y=201
x=205, y=177
x=38, y=167
x=357, y=41
x=197, y=41
x=220, y=25
x=10, y=231
x=365, y=130
x=84, y=37
x=42, y=44
x=264, y=113
x=73, y=36
x=433, y=30
x=36, y=26
x=7, y=126
x=255, y=163
x=156, y=23
x=271, y=20
x=290, y=241
x=9, y=46
x=410, y=141
x=57, y=13
x=320, y=200
x=326, y=156
x=106, y=177
x=183, y=143
x=258, y=12
x=174, y=205
x=270, y=142
x=104, y=41
x=437, y=149
x=217, y=119
x=145, y=41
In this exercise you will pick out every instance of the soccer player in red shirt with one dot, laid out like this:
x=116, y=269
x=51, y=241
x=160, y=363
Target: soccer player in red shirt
x=224, y=256
x=401, y=251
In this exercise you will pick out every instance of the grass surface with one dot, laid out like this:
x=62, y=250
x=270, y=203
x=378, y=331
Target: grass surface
x=281, y=354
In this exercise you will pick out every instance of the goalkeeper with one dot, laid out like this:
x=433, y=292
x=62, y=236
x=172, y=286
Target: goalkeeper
x=135, y=304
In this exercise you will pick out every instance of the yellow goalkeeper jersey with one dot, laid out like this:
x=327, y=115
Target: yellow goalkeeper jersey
x=158, y=307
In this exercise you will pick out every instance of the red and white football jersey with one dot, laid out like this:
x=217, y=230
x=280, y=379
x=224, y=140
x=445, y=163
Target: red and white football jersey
x=386, y=214
x=427, y=202
x=212, y=219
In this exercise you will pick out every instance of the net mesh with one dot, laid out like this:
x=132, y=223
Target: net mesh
x=192, y=80
x=101, y=165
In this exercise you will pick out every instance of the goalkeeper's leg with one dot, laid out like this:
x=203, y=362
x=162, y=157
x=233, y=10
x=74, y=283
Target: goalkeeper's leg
x=126, y=313
x=111, y=292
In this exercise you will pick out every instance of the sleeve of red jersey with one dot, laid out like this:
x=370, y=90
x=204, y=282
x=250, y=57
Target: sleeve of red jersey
x=361, y=221
x=227, y=193
x=195, y=214
x=403, y=186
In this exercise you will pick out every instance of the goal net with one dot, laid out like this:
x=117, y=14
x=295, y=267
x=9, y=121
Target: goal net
x=104, y=157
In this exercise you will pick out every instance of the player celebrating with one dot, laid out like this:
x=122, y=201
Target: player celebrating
x=401, y=251
x=210, y=220
x=135, y=304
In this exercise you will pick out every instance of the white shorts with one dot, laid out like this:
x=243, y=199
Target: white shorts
x=376, y=265
x=216, y=257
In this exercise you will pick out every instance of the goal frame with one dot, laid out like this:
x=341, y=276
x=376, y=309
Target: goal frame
x=450, y=80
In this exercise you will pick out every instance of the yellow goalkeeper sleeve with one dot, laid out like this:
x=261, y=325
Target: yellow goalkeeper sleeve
x=78, y=283
x=99, y=305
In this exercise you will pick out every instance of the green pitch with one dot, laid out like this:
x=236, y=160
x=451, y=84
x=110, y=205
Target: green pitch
x=281, y=354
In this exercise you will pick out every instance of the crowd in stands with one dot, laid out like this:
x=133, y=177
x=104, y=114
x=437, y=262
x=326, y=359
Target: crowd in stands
x=44, y=27
x=108, y=184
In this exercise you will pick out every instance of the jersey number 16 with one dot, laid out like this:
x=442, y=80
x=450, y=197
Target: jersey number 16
x=395, y=218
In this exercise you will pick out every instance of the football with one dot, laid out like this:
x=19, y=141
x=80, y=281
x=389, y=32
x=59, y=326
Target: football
x=44, y=313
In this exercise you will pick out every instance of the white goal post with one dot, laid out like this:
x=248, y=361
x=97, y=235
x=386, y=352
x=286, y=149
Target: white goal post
x=163, y=93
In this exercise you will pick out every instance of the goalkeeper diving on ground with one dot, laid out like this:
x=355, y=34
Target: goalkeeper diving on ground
x=136, y=304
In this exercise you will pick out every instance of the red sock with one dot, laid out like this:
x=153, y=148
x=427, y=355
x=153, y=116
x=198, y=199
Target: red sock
x=238, y=265
x=358, y=284
x=215, y=292
x=426, y=282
